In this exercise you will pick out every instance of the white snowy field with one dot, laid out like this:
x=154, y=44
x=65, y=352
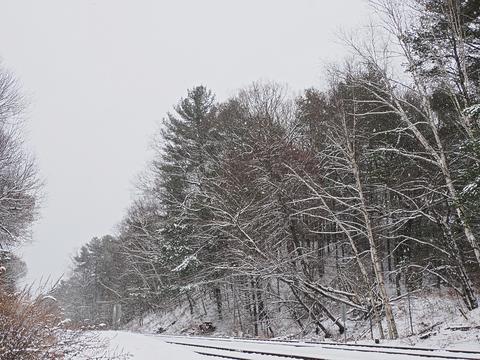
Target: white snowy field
x=332, y=351
x=135, y=346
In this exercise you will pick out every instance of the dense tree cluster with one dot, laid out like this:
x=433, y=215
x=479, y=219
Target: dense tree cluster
x=353, y=195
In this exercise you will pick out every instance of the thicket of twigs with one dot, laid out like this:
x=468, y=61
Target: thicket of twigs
x=32, y=327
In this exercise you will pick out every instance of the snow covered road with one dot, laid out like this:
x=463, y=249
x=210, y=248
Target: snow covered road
x=146, y=347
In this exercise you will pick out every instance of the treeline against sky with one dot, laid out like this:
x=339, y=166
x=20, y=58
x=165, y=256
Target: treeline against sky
x=353, y=195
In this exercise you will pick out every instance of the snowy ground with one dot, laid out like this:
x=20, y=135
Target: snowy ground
x=134, y=346
x=131, y=346
x=439, y=320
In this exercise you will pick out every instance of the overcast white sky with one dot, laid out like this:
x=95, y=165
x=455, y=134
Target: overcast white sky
x=102, y=73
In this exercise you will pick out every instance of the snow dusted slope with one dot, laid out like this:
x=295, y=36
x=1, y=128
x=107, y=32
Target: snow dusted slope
x=439, y=320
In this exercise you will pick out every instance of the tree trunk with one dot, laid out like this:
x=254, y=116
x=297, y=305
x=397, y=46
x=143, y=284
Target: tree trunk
x=376, y=263
x=218, y=300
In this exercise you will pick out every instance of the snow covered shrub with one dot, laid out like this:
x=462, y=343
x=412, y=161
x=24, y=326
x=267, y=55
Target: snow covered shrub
x=31, y=328
x=28, y=327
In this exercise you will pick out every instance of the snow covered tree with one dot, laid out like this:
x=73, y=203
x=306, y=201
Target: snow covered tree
x=19, y=184
x=12, y=269
x=97, y=283
x=180, y=167
x=446, y=47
